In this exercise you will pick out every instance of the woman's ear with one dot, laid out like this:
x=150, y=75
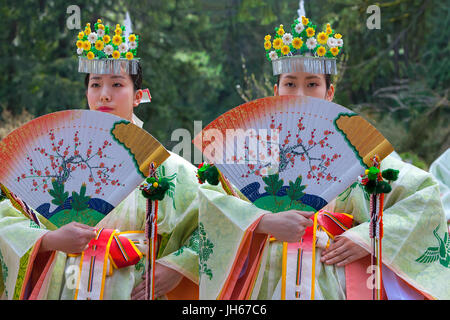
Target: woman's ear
x=330, y=93
x=275, y=89
x=137, y=98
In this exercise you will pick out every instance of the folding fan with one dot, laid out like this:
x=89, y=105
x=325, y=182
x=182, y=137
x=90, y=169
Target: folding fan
x=291, y=152
x=77, y=165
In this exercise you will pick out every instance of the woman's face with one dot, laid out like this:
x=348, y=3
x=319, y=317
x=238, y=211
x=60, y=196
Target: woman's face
x=304, y=84
x=113, y=93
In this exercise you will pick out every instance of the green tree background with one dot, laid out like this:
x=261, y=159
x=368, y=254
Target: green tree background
x=203, y=57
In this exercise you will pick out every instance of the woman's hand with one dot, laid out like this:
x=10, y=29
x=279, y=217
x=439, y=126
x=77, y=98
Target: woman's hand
x=166, y=279
x=343, y=251
x=286, y=226
x=74, y=237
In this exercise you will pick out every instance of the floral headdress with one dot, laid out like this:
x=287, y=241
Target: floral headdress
x=106, y=52
x=304, y=48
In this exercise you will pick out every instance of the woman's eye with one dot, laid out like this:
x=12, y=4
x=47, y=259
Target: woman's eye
x=95, y=85
x=117, y=84
x=289, y=84
x=312, y=85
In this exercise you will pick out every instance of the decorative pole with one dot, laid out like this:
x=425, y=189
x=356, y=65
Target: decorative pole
x=376, y=187
x=154, y=190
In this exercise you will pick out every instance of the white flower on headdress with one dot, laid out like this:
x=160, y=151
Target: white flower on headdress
x=339, y=42
x=311, y=43
x=123, y=47
x=100, y=32
x=109, y=49
x=133, y=44
x=287, y=38
x=273, y=55
x=299, y=28
x=80, y=51
x=92, y=37
x=331, y=42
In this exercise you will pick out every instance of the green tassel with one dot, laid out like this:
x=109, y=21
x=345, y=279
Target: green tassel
x=212, y=176
x=371, y=186
x=373, y=173
x=2, y=196
x=159, y=192
x=383, y=187
x=208, y=173
x=390, y=174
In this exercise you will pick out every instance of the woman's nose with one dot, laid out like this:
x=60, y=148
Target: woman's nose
x=299, y=91
x=105, y=95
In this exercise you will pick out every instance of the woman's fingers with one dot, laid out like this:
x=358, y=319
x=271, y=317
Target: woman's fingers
x=138, y=293
x=342, y=252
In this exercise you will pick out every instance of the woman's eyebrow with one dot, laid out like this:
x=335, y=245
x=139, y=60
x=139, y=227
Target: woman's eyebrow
x=312, y=77
x=112, y=77
x=290, y=77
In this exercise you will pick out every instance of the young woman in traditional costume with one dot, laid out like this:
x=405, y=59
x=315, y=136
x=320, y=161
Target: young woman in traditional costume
x=238, y=258
x=45, y=263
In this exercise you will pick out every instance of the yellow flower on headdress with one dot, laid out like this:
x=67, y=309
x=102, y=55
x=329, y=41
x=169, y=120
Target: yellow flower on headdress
x=132, y=38
x=280, y=31
x=305, y=21
x=321, y=51
x=297, y=43
x=117, y=40
x=87, y=30
x=79, y=44
x=334, y=51
x=116, y=54
x=285, y=50
x=99, y=45
x=81, y=35
x=106, y=38
x=338, y=36
x=86, y=45
x=101, y=26
x=267, y=38
x=277, y=43
x=90, y=55
x=310, y=32
x=129, y=55
x=99, y=20
x=267, y=45
x=322, y=38
x=329, y=30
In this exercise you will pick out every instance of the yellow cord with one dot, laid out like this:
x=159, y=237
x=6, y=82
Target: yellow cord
x=283, y=271
x=313, y=278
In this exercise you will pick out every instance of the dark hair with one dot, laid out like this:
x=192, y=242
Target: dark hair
x=327, y=80
x=135, y=78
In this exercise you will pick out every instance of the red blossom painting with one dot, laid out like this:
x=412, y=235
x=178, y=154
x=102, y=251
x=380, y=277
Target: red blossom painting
x=299, y=146
x=66, y=158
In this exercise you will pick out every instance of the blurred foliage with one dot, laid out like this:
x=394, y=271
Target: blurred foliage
x=203, y=57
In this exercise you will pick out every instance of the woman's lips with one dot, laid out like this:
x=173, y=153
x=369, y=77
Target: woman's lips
x=104, y=109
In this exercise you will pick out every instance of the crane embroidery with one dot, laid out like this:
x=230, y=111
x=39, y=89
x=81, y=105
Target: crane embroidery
x=441, y=253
